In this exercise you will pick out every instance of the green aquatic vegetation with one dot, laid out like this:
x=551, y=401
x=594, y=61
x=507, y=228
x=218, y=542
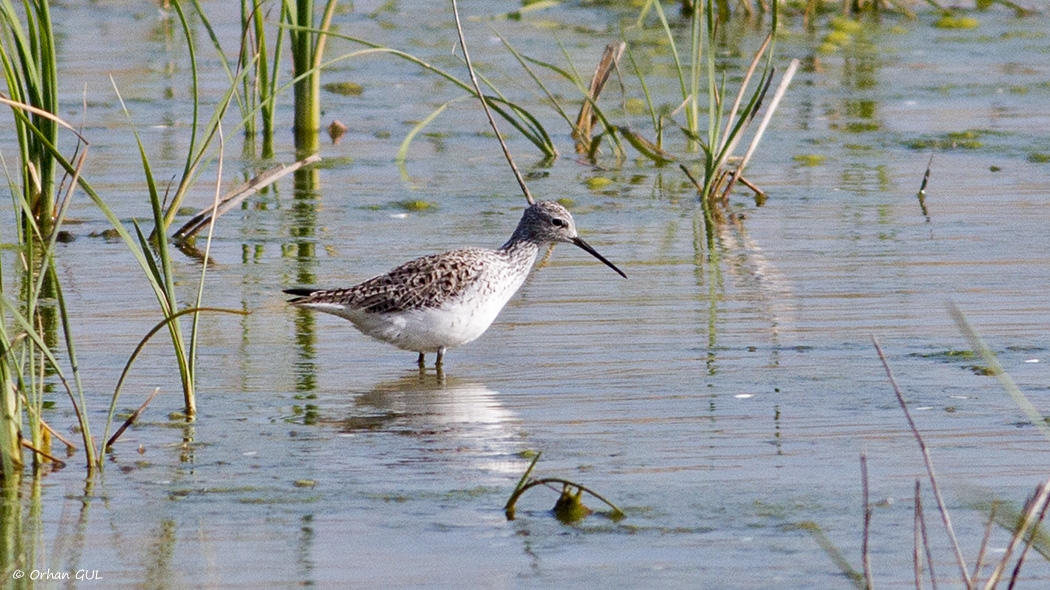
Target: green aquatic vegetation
x=951, y=21
x=970, y=139
x=1039, y=157
x=597, y=182
x=837, y=38
x=981, y=370
x=307, y=44
x=33, y=321
x=414, y=205
x=521, y=119
x=725, y=128
x=344, y=88
x=861, y=126
x=809, y=159
x=846, y=25
x=950, y=354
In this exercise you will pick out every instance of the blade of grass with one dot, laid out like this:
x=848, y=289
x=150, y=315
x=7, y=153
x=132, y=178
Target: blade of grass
x=195, y=325
x=402, y=152
x=142, y=344
x=1005, y=381
x=866, y=538
x=840, y=561
x=540, y=139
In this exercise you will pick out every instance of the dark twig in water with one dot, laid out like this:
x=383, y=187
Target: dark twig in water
x=696, y=183
x=131, y=420
x=987, y=537
x=922, y=190
x=945, y=517
x=922, y=541
x=45, y=425
x=485, y=105
x=865, y=552
x=29, y=445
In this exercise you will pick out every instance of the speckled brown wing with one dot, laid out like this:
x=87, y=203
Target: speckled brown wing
x=425, y=282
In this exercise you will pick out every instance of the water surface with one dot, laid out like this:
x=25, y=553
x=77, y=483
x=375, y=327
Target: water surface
x=722, y=395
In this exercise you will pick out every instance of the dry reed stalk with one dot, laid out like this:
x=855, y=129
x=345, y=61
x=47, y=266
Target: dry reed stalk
x=586, y=120
x=984, y=542
x=29, y=445
x=865, y=553
x=777, y=96
x=234, y=196
x=945, y=517
x=484, y=104
x=1033, y=515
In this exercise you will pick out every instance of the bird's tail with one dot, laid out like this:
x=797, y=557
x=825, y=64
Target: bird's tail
x=300, y=294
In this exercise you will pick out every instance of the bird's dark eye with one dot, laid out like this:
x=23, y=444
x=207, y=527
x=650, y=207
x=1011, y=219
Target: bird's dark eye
x=558, y=222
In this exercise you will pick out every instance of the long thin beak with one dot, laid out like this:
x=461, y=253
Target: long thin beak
x=587, y=247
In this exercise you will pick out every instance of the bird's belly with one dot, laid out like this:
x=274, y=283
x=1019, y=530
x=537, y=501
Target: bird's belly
x=429, y=329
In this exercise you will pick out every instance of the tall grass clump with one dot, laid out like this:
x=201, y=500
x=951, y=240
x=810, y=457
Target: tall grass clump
x=153, y=251
x=32, y=317
x=727, y=121
x=29, y=68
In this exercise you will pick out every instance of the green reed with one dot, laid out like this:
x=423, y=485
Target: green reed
x=307, y=44
x=261, y=63
x=158, y=267
x=29, y=68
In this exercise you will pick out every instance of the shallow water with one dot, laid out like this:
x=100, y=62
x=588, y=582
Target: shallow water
x=722, y=395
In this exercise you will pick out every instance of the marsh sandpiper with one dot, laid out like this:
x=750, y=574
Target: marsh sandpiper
x=441, y=301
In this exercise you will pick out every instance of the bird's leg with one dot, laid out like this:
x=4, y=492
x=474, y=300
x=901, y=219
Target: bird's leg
x=422, y=361
x=441, y=357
